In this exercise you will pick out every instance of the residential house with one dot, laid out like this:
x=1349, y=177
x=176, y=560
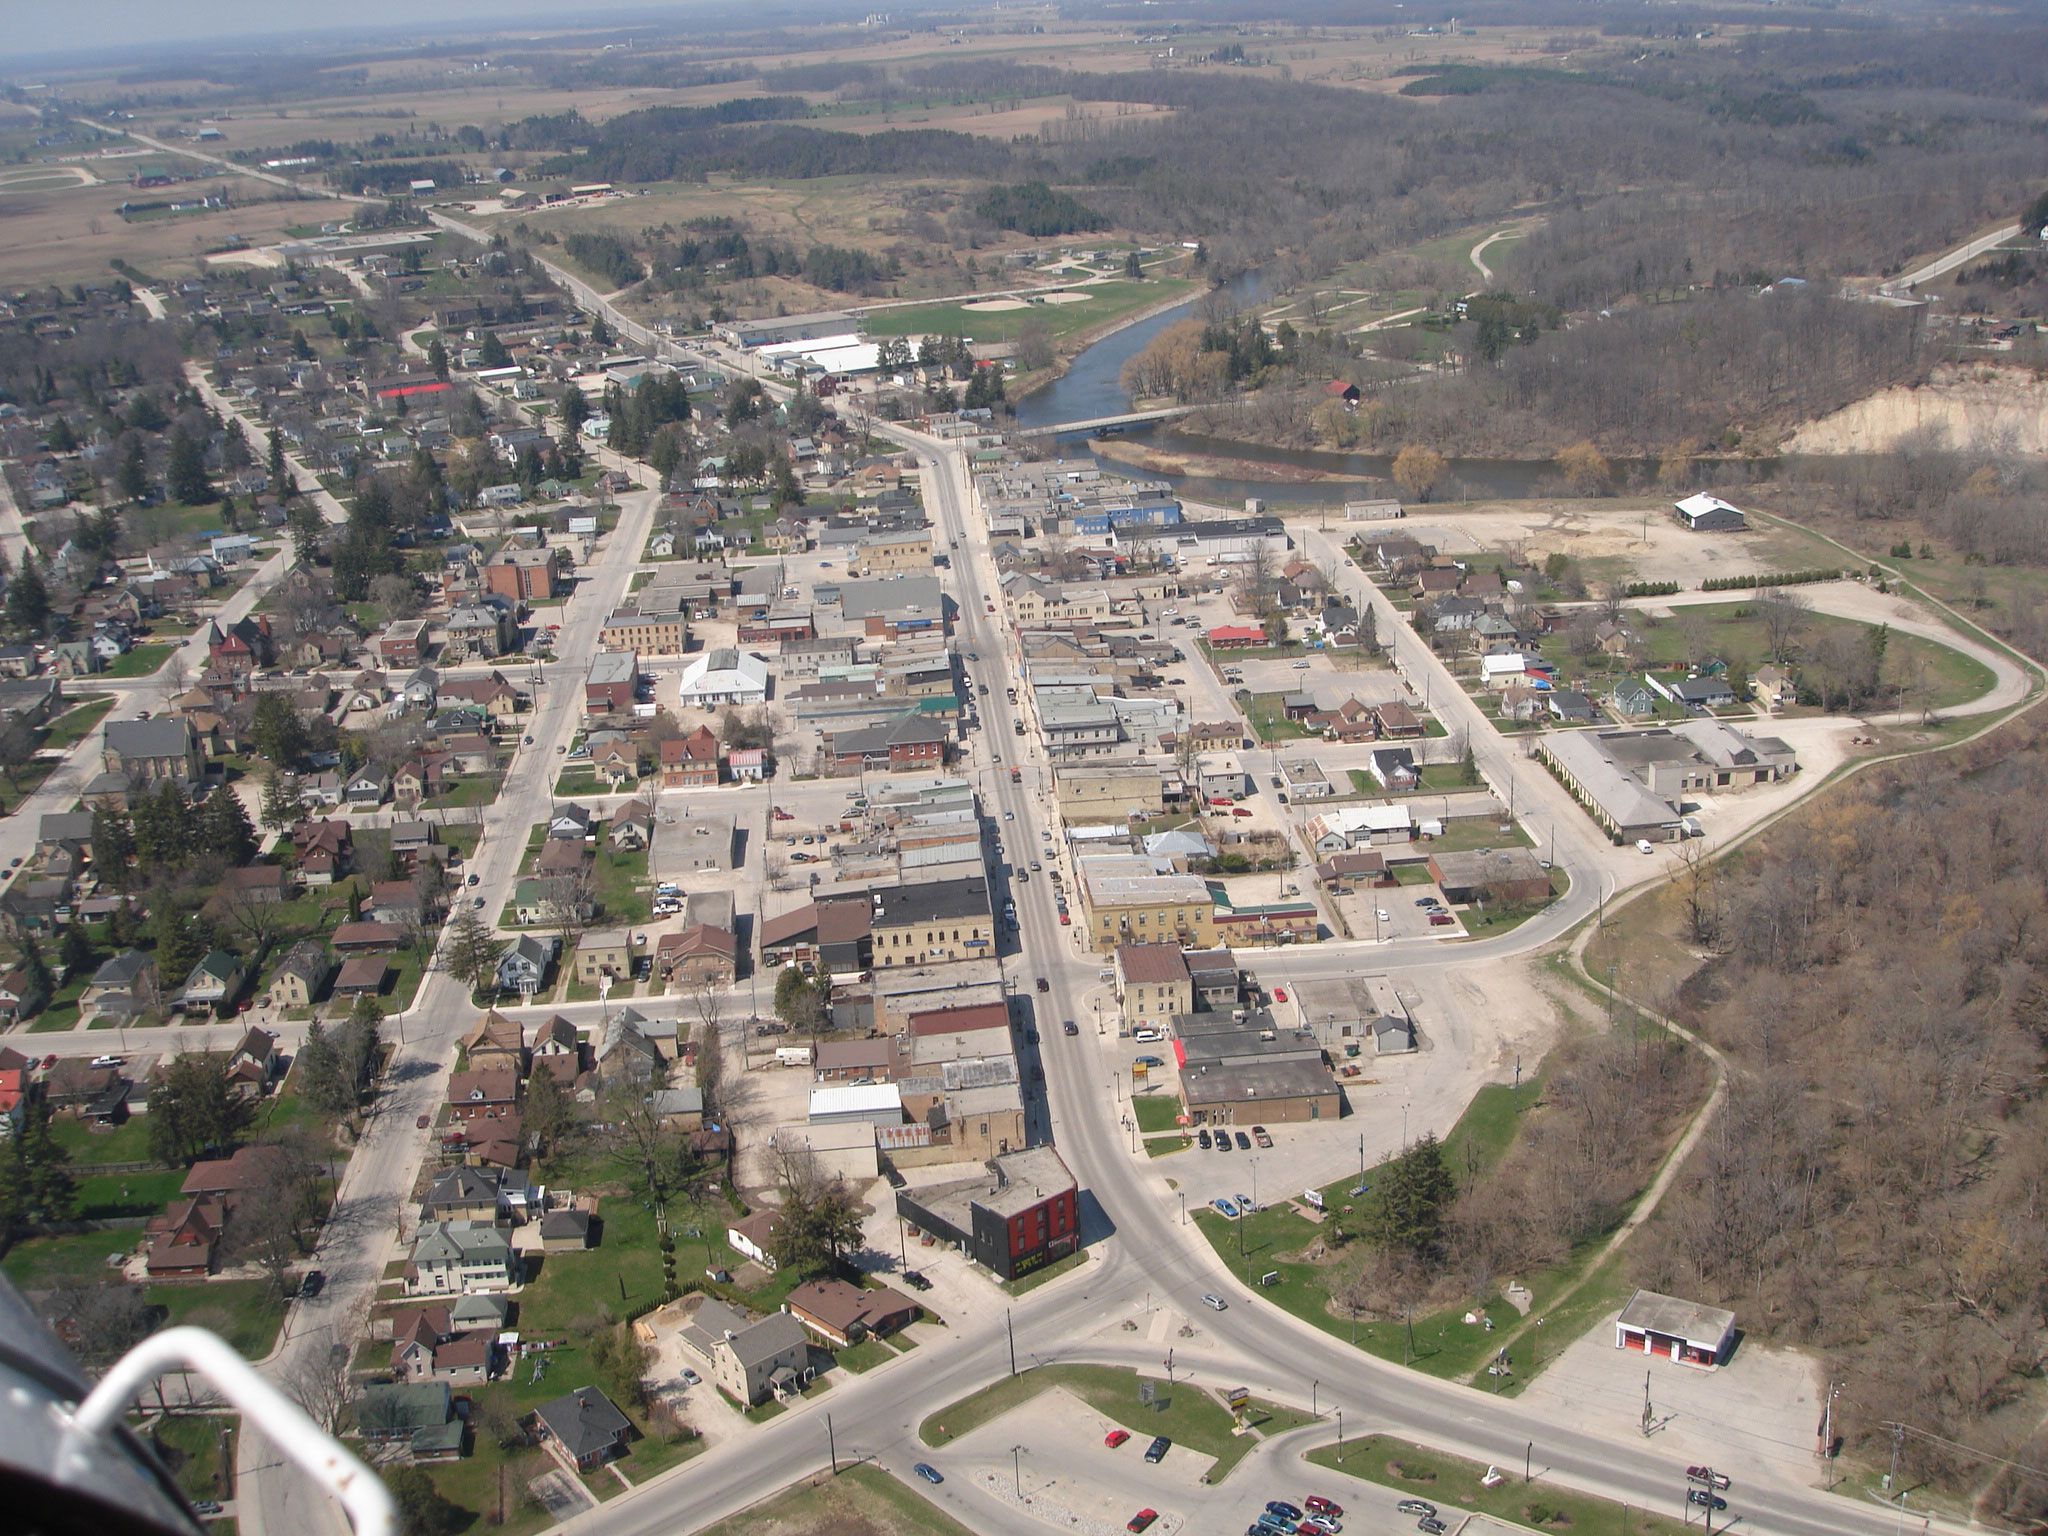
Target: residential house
x=627, y=1053
x=604, y=952
x=487, y=1093
x=585, y=1427
x=524, y=964
x=460, y=1256
x=214, y=983
x=699, y=955
x=632, y=826
x=841, y=1315
x=496, y=1042
x=690, y=762
x=304, y=972
x=124, y=985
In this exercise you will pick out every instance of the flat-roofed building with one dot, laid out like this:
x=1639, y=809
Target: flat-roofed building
x=1020, y=1215
x=1152, y=984
x=1147, y=909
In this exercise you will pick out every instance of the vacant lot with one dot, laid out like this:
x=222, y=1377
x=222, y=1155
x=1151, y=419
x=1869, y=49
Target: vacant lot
x=71, y=233
x=860, y=1501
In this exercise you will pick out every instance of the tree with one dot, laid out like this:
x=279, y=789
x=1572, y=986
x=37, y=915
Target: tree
x=37, y=987
x=472, y=948
x=183, y=938
x=283, y=806
x=641, y=1141
x=185, y=473
x=549, y=1115
x=75, y=950
x=1417, y=470
x=282, y=485
x=165, y=835
x=35, y=1185
x=196, y=1111
x=575, y=410
x=322, y=1079
x=1783, y=615
x=17, y=750
x=99, y=1323
x=324, y=1384
x=817, y=1219
x=276, y=730
x=132, y=478
x=421, y=1509
x=1585, y=469
x=223, y=828
x=1275, y=627
x=798, y=1003
x=28, y=599
x=1409, y=1198
x=1133, y=267
x=600, y=333
x=362, y=1040
x=437, y=358
x=492, y=353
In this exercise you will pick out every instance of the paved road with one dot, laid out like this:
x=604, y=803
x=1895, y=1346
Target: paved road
x=1955, y=258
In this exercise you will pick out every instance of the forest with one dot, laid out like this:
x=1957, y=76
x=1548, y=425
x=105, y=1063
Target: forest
x=1873, y=1188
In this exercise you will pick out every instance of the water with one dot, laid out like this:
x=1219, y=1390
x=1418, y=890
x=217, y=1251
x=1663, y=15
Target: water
x=1093, y=388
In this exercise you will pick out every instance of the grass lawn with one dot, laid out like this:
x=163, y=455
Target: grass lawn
x=476, y=789
x=1268, y=719
x=126, y=1143
x=864, y=1356
x=1494, y=921
x=1453, y=1485
x=580, y=781
x=1190, y=1417
x=1156, y=1112
x=1106, y=301
x=37, y=1263
x=859, y=1499
x=74, y=725
x=190, y=1446
x=141, y=661
x=1467, y=833
x=128, y=1194
x=240, y=1311
x=23, y=782
x=1025, y=1284
x=619, y=881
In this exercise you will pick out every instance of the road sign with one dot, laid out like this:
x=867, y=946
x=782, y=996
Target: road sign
x=1147, y=1390
x=1237, y=1395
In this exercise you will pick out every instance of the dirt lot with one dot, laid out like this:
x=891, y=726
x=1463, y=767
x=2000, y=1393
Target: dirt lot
x=71, y=233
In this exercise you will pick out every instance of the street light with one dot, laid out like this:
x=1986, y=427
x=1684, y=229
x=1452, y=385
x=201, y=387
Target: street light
x=1017, y=1469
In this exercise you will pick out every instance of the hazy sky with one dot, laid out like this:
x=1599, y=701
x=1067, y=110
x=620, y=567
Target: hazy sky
x=43, y=29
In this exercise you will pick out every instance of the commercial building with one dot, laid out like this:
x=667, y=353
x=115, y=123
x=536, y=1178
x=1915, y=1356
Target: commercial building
x=1631, y=782
x=1152, y=984
x=1348, y=1013
x=1684, y=1331
x=1493, y=874
x=1122, y=908
x=819, y=326
x=651, y=634
x=610, y=684
x=1244, y=1068
x=1105, y=792
x=724, y=676
x=880, y=554
x=527, y=575
x=1019, y=1215
x=937, y=920
x=1709, y=514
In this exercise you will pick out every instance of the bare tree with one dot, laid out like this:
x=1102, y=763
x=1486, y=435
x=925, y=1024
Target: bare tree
x=1783, y=615
x=324, y=1385
x=566, y=900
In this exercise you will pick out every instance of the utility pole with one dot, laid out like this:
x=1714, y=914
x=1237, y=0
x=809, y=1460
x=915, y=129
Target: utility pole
x=1340, y=1436
x=1312, y=1399
x=831, y=1445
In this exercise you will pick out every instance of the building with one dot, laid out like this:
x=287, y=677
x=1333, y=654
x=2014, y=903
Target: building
x=702, y=842
x=1107, y=792
x=416, y=1414
x=873, y=1103
x=1250, y=1071
x=651, y=634
x=751, y=1360
x=882, y=553
x=832, y=937
x=1019, y=1215
x=611, y=683
x=1709, y=514
x=690, y=762
x=1345, y=1012
x=1495, y=874
x=938, y=920
x=1631, y=782
x=1152, y=984
x=485, y=1093
x=458, y=1256
x=1684, y=1331
x=585, y=1426
x=527, y=575
x=604, y=952
x=820, y=326
x=909, y=742
x=1119, y=908
x=724, y=676
x=840, y=1315
x=1305, y=779
x=156, y=751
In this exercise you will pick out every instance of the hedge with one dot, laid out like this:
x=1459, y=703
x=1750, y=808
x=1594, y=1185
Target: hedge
x=1782, y=579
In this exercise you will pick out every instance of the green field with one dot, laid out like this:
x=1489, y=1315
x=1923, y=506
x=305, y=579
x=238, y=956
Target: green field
x=1106, y=301
x=860, y=1499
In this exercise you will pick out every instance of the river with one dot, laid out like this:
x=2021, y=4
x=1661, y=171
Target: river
x=1092, y=387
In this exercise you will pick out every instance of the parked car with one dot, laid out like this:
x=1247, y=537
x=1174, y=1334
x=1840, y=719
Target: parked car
x=1202, y=1140
x=1215, y=1303
x=1223, y=1141
x=691, y=1378
x=311, y=1284
x=928, y=1472
x=107, y=1061
x=1259, y=1135
x=1429, y=1525
x=1441, y=919
x=1407, y=1507
x=1320, y=1525
x=1705, y=1499
x=1116, y=1437
x=1225, y=1205
x=1141, y=1520
x=421, y=1123
x=915, y=1279
x=1328, y=1507
x=1708, y=1475
x=206, y=1507
x=1156, y=1451
x=1150, y=1061
x=1283, y=1509
x=1244, y=1142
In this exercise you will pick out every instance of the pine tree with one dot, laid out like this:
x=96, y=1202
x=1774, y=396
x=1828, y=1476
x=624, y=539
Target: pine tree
x=28, y=599
x=34, y=1183
x=163, y=828
x=1410, y=1196
x=362, y=1040
x=280, y=472
x=37, y=986
x=183, y=939
x=224, y=828
x=323, y=1082
x=282, y=804
x=437, y=358
x=113, y=845
x=185, y=474
x=472, y=950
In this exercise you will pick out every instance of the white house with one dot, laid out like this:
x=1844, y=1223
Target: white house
x=724, y=676
x=454, y=1257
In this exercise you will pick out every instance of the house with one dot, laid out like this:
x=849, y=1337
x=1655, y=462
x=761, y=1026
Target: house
x=841, y=1315
x=496, y=1042
x=626, y=1054
x=617, y=761
x=1573, y=707
x=690, y=762
x=753, y=1236
x=1632, y=700
x=1341, y=390
x=1343, y=873
x=184, y=1240
x=558, y=1047
x=724, y=676
x=1696, y=694
x=365, y=939
x=585, y=1428
x=699, y=955
x=416, y=1414
x=463, y=1193
x=260, y=883
x=748, y=765
x=485, y=1093
x=755, y=1360
x=367, y=787
x=456, y=1256
x=1151, y=982
x=399, y=903
x=125, y=984
x=1772, y=686
x=524, y=964
x=604, y=952
x=1393, y=767
x=214, y=982
x=610, y=683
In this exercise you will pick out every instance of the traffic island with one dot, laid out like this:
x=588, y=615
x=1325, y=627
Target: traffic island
x=1458, y=1487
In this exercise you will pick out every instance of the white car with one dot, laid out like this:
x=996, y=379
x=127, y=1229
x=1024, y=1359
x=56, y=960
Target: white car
x=1644, y=845
x=107, y=1061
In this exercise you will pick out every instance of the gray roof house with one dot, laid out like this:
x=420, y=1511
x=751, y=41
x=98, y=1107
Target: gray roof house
x=523, y=965
x=586, y=1425
x=458, y=1256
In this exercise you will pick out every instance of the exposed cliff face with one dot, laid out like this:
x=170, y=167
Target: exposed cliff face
x=1974, y=406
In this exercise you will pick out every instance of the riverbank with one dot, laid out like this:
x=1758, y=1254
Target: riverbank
x=1073, y=346
x=1201, y=466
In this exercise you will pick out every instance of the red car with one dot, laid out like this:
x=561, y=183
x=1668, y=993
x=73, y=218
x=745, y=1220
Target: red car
x=1066, y=920
x=1116, y=1437
x=1142, y=1519
x=1240, y=811
x=1316, y=1506
x=49, y=1062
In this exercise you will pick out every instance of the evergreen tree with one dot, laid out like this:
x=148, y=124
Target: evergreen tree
x=308, y=529
x=38, y=987
x=600, y=333
x=34, y=1183
x=362, y=1040
x=185, y=474
x=133, y=477
x=276, y=730
x=492, y=353
x=76, y=951
x=195, y=1111
x=163, y=828
x=437, y=358
x=113, y=845
x=28, y=599
x=575, y=410
x=224, y=828
x=280, y=473
x=183, y=939
x=282, y=804
x=1410, y=1195
x=472, y=950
